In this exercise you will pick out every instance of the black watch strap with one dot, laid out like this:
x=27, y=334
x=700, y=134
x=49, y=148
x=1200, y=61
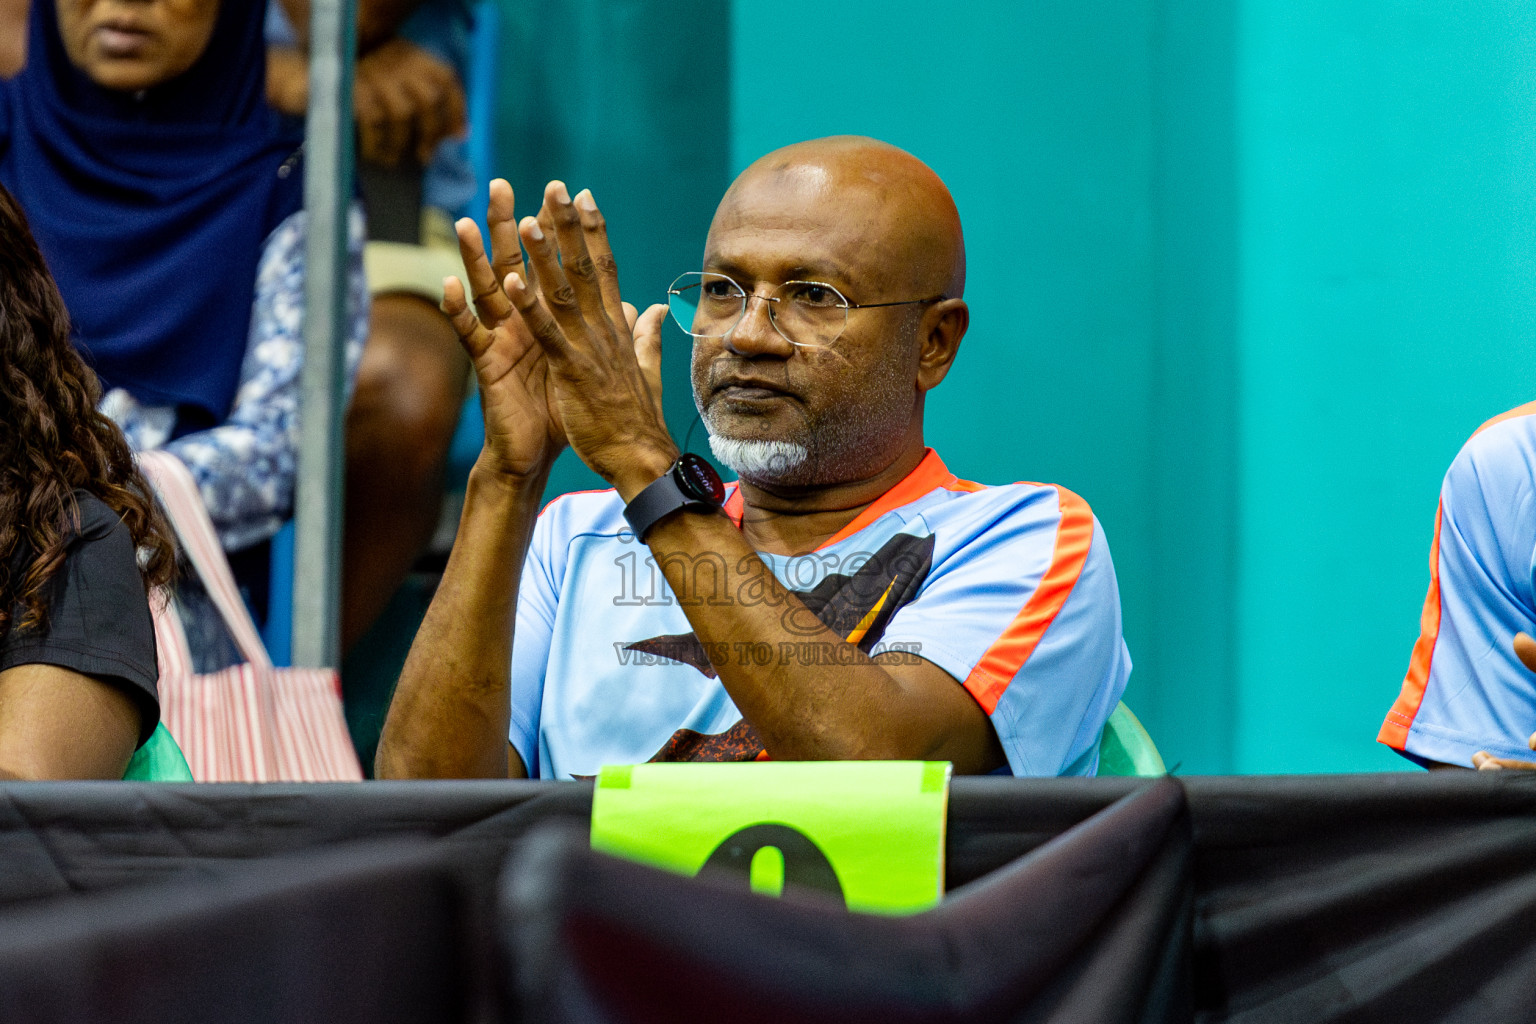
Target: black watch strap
x=691, y=483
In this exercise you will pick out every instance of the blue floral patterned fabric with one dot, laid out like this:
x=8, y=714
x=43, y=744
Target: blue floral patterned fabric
x=246, y=466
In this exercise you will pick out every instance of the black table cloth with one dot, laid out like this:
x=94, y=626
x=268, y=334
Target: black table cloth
x=1408, y=897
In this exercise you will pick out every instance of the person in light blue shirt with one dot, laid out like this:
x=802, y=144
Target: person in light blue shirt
x=1009, y=590
x=848, y=598
x=1469, y=698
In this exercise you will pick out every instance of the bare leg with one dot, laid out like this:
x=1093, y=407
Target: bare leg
x=410, y=388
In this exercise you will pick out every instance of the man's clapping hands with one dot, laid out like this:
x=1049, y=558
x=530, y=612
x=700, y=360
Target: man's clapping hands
x=560, y=356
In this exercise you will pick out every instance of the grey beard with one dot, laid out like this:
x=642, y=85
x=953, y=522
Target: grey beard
x=766, y=461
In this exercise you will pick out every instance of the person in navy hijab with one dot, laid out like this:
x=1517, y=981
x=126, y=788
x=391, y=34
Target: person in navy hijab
x=166, y=197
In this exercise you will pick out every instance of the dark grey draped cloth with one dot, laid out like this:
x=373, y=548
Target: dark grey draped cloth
x=1321, y=899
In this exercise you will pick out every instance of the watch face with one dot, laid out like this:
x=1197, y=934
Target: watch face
x=699, y=480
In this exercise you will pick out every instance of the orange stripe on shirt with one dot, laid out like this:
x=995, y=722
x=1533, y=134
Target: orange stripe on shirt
x=929, y=474
x=1394, y=731
x=1528, y=409
x=1002, y=661
x=735, y=505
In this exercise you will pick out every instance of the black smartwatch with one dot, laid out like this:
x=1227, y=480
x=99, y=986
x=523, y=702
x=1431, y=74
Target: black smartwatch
x=691, y=483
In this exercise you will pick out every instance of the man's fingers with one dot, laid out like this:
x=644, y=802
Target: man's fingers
x=541, y=324
x=395, y=130
x=594, y=232
x=472, y=334
x=1525, y=650
x=456, y=110
x=506, y=248
x=555, y=288
x=433, y=83
x=1486, y=762
x=647, y=333
x=449, y=101
x=429, y=124
x=631, y=314
x=485, y=287
x=546, y=216
x=369, y=114
x=581, y=271
x=648, y=343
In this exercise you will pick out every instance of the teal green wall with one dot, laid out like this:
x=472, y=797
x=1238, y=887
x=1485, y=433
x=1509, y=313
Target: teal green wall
x=1244, y=274
x=1387, y=155
x=1042, y=127
x=1047, y=128
x=630, y=98
x=1186, y=687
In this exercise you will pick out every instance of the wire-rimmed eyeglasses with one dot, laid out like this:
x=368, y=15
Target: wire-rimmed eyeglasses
x=807, y=314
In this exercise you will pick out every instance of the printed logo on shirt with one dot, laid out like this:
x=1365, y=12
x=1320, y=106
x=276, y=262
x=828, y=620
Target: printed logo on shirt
x=856, y=606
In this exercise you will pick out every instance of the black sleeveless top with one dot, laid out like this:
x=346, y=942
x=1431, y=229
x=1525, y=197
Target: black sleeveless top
x=98, y=615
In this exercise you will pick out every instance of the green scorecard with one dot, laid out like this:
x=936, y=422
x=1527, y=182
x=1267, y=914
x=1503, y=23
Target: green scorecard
x=870, y=832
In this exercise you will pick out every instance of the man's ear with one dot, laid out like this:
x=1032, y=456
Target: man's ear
x=942, y=327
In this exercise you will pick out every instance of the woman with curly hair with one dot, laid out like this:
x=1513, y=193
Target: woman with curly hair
x=81, y=544
x=167, y=197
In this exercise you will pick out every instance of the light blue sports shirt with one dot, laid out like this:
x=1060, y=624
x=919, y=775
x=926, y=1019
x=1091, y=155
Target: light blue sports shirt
x=1011, y=590
x=1465, y=690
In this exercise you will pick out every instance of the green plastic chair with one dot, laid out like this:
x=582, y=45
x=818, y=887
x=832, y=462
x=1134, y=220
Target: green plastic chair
x=158, y=760
x=1126, y=749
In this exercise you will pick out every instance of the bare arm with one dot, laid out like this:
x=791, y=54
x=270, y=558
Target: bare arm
x=817, y=697
x=56, y=723
x=451, y=710
x=13, y=36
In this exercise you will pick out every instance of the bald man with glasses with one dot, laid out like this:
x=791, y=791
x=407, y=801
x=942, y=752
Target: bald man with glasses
x=846, y=598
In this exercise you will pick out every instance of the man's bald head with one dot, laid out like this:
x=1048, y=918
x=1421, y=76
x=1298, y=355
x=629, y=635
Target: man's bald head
x=884, y=211
x=784, y=408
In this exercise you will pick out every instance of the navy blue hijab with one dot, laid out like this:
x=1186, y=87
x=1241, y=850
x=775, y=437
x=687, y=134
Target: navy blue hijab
x=152, y=208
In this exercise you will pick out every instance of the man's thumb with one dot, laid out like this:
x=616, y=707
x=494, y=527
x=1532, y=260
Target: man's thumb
x=1525, y=650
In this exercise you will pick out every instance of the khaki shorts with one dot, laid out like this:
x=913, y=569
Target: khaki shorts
x=399, y=267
